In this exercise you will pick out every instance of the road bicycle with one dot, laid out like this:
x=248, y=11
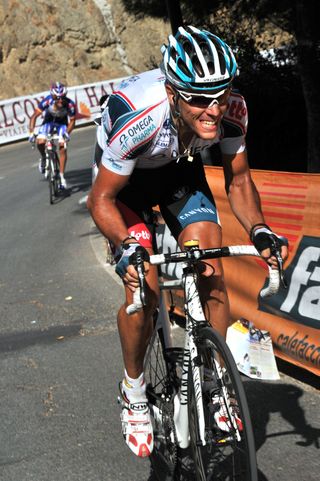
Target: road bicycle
x=52, y=172
x=185, y=385
x=52, y=165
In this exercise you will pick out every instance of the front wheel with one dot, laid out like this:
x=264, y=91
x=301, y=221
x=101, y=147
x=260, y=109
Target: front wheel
x=56, y=177
x=53, y=177
x=161, y=379
x=50, y=178
x=229, y=451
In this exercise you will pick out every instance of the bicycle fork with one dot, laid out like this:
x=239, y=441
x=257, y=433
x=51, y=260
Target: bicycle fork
x=193, y=311
x=226, y=398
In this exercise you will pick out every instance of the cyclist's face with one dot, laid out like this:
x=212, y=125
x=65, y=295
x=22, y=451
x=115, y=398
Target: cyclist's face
x=202, y=117
x=58, y=101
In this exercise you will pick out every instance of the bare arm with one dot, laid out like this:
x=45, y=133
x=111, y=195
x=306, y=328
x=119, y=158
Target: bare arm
x=71, y=124
x=241, y=190
x=244, y=197
x=33, y=119
x=102, y=205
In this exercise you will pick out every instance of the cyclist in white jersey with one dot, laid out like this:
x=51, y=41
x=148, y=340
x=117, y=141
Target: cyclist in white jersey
x=152, y=129
x=142, y=133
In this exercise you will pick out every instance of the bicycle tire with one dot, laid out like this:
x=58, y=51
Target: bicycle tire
x=161, y=379
x=227, y=456
x=50, y=180
x=56, y=178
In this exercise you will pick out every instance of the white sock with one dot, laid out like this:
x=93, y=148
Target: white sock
x=134, y=388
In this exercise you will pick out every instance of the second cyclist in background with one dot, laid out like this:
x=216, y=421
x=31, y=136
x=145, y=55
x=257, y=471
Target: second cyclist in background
x=59, y=113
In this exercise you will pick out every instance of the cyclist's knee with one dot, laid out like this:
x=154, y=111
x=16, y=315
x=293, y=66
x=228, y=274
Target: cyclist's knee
x=211, y=270
x=149, y=309
x=152, y=302
x=212, y=285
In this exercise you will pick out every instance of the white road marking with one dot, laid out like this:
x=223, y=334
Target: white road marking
x=83, y=200
x=98, y=245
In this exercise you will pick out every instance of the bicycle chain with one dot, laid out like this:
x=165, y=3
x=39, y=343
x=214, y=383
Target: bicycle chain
x=168, y=428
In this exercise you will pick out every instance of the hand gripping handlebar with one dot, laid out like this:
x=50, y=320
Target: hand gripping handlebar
x=192, y=256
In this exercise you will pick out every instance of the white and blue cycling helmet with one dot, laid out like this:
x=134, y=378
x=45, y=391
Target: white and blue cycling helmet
x=198, y=62
x=58, y=89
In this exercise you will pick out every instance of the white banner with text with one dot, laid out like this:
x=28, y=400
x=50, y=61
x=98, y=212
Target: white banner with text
x=15, y=113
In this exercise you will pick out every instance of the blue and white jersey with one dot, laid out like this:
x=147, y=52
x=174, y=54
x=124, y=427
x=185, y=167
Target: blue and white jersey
x=57, y=115
x=137, y=129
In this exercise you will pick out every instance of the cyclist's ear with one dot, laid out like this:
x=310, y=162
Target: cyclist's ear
x=171, y=93
x=173, y=97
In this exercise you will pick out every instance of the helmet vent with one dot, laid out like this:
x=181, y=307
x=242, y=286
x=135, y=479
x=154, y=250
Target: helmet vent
x=210, y=67
x=197, y=66
x=188, y=48
x=173, y=53
x=222, y=60
x=182, y=66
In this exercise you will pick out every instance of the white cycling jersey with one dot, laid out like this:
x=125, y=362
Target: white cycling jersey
x=137, y=130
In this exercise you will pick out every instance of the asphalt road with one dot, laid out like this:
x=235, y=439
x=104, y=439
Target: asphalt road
x=60, y=353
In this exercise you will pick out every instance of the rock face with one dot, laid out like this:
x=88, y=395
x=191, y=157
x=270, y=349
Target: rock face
x=73, y=41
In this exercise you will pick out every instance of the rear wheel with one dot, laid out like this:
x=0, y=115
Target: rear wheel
x=229, y=453
x=161, y=379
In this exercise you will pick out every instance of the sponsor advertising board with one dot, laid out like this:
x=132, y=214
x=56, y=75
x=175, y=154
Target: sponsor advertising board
x=291, y=204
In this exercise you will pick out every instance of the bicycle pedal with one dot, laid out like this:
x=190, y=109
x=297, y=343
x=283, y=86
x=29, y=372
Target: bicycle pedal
x=224, y=440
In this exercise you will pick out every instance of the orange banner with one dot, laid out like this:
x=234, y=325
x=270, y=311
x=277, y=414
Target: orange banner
x=291, y=205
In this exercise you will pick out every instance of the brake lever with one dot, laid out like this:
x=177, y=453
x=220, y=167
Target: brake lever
x=142, y=282
x=139, y=265
x=276, y=253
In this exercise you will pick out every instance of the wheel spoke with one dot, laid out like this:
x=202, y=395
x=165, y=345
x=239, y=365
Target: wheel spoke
x=160, y=394
x=229, y=453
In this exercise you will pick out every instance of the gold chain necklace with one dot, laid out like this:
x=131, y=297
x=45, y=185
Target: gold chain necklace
x=187, y=150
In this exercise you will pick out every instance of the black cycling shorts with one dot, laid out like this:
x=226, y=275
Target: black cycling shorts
x=179, y=189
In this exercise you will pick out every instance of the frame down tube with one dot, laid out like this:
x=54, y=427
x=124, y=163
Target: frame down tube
x=194, y=313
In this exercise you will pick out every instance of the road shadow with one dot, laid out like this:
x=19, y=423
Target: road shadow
x=79, y=180
x=264, y=398
x=20, y=340
x=61, y=196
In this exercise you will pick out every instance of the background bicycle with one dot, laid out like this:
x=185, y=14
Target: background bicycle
x=52, y=171
x=52, y=166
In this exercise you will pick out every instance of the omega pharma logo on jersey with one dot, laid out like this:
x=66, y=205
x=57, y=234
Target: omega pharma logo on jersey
x=300, y=302
x=141, y=129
